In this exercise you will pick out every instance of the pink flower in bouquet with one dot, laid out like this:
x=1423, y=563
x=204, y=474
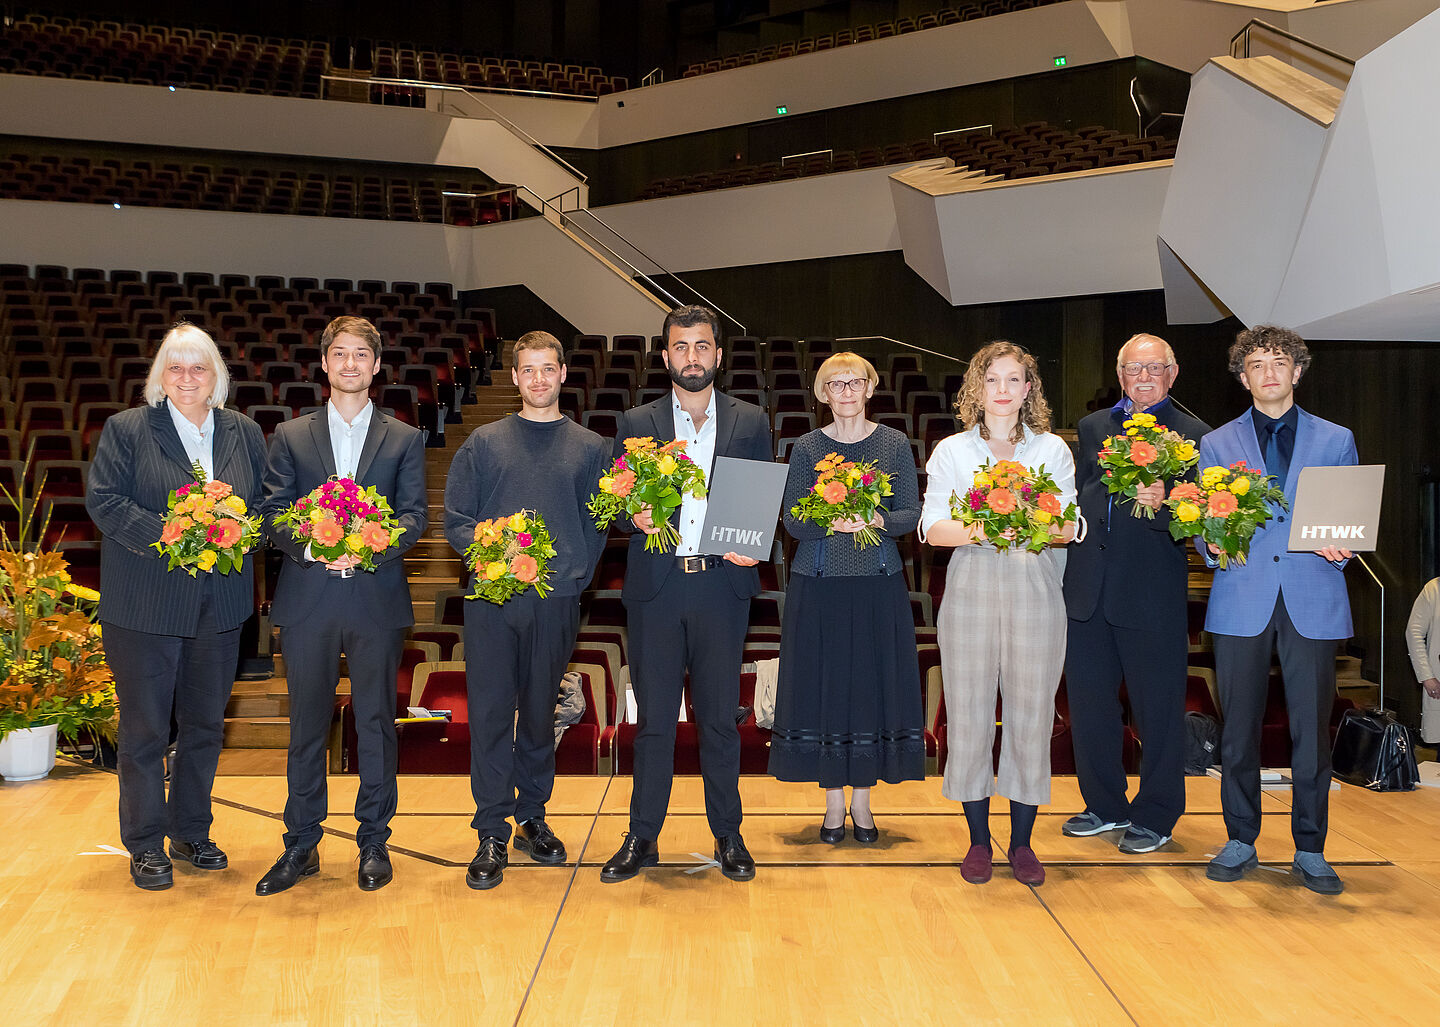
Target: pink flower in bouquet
x=183, y=491
x=328, y=532
x=302, y=504
x=306, y=529
x=976, y=499
x=525, y=568
x=867, y=479
x=217, y=490
x=524, y=539
x=621, y=464
x=834, y=492
x=374, y=536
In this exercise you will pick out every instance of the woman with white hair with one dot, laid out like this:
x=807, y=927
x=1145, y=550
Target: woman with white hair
x=172, y=640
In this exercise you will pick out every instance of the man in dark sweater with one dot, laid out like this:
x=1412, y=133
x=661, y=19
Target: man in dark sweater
x=536, y=460
x=1125, y=590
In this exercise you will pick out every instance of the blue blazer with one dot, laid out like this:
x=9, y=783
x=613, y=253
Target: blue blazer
x=1243, y=596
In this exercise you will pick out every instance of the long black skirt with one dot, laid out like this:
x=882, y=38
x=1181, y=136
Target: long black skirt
x=848, y=706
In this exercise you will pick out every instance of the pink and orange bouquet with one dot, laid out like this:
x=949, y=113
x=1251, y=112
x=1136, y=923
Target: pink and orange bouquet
x=844, y=490
x=1148, y=452
x=339, y=518
x=206, y=528
x=1009, y=497
x=509, y=555
x=648, y=476
x=1225, y=508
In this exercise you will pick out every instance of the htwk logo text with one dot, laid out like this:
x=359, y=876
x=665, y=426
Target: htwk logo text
x=1336, y=531
x=739, y=535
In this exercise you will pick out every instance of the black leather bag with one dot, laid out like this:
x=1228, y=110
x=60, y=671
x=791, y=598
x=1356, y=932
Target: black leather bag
x=1373, y=751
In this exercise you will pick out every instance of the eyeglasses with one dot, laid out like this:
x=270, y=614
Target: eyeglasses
x=1133, y=368
x=837, y=386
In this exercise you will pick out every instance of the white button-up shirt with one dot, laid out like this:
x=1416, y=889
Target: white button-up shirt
x=346, y=440
x=199, y=442
x=953, y=465
x=699, y=447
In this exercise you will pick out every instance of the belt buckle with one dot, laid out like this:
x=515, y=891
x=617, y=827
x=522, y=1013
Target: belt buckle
x=692, y=564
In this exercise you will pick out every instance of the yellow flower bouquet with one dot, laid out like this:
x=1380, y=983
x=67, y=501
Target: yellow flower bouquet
x=1146, y=453
x=509, y=555
x=206, y=528
x=648, y=476
x=339, y=518
x=845, y=490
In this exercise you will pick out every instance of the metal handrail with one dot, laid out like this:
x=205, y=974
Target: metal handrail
x=1140, y=121
x=808, y=153
x=935, y=138
x=1284, y=34
x=443, y=87
x=664, y=270
x=653, y=77
x=907, y=345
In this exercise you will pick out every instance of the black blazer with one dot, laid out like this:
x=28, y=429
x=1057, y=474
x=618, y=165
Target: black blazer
x=741, y=431
x=393, y=460
x=139, y=461
x=1129, y=567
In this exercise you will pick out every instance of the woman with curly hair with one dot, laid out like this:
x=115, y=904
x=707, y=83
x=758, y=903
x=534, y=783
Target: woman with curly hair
x=1002, y=619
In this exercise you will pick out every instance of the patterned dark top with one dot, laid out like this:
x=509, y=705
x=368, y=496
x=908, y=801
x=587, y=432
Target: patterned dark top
x=819, y=555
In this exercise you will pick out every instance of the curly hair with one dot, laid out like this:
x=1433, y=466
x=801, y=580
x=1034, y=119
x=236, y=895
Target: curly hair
x=970, y=400
x=1268, y=339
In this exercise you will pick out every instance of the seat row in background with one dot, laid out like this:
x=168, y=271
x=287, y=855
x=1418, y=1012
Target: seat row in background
x=1026, y=151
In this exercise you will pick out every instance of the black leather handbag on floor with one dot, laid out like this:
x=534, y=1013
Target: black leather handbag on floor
x=1374, y=751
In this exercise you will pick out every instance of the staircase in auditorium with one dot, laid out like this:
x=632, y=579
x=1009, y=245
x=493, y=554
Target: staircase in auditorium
x=257, y=724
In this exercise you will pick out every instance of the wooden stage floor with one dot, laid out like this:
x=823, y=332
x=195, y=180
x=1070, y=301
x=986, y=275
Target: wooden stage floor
x=866, y=934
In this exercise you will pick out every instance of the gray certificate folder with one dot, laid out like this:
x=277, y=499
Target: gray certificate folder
x=1337, y=506
x=744, y=506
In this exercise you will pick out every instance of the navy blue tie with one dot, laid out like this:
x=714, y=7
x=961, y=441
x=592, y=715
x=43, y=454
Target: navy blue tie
x=1277, y=461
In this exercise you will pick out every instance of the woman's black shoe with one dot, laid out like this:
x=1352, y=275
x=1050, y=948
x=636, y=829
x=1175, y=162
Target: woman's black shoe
x=865, y=835
x=833, y=835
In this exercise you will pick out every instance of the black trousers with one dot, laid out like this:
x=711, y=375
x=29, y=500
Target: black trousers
x=312, y=671
x=1098, y=656
x=515, y=655
x=1242, y=672
x=155, y=674
x=696, y=623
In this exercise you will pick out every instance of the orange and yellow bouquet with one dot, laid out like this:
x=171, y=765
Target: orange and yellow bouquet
x=207, y=528
x=1225, y=508
x=652, y=476
x=509, y=555
x=1148, y=452
x=1009, y=497
x=845, y=490
x=340, y=518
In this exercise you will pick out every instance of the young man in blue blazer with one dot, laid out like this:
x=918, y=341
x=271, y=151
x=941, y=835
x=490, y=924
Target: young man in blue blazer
x=1295, y=603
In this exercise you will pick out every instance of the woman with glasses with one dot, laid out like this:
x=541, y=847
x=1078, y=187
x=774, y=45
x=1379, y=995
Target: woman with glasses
x=848, y=708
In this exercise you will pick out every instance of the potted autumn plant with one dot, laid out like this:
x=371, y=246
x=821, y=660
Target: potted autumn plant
x=55, y=679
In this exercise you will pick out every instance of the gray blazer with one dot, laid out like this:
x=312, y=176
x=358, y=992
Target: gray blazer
x=138, y=462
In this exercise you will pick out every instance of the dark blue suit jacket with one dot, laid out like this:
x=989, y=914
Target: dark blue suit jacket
x=138, y=462
x=741, y=431
x=393, y=460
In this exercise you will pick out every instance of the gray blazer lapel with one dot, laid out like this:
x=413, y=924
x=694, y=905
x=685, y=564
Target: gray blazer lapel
x=320, y=433
x=162, y=428
x=373, y=438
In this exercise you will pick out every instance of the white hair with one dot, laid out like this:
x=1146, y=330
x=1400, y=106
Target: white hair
x=189, y=344
x=1142, y=337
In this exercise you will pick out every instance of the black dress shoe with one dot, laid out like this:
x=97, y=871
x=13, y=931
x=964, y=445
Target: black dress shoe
x=636, y=854
x=203, y=855
x=734, y=858
x=865, y=835
x=152, y=870
x=536, y=838
x=294, y=863
x=375, y=870
x=487, y=869
x=833, y=835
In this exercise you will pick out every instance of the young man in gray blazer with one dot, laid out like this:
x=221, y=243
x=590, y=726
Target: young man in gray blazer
x=324, y=609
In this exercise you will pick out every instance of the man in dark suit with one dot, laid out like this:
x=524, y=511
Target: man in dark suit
x=1125, y=589
x=687, y=611
x=324, y=609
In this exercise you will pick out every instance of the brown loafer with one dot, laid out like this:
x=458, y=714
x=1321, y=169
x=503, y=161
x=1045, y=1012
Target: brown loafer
x=979, y=864
x=1026, y=866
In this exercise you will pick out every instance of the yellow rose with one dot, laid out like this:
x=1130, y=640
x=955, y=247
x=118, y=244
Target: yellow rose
x=1041, y=517
x=355, y=543
x=982, y=480
x=606, y=483
x=317, y=514
x=666, y=464
x=495, y=570
x=1240, y=485
x=1132, y=431
x=1187, y=512
x=207, y=560
x=854, y=475
x=235, y=504
x=517, y=522
x=1185, y=451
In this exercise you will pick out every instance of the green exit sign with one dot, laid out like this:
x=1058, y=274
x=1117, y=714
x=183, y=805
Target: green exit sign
x=782, y=109
x=1060, y=61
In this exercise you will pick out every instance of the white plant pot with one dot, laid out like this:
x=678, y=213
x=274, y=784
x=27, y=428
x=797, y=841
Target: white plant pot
x=28, y=754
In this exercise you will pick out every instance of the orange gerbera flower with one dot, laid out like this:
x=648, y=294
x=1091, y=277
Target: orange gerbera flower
x=623, y=483
x=374, y=536
x=328, y=532
x=1142, y=453
x=1050, y=503
x=217, y=489
x=1187, y=491
x=1221, y=504
x=1002, y=501
x=173, y=530
x=834, y=492
x=525, y=568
